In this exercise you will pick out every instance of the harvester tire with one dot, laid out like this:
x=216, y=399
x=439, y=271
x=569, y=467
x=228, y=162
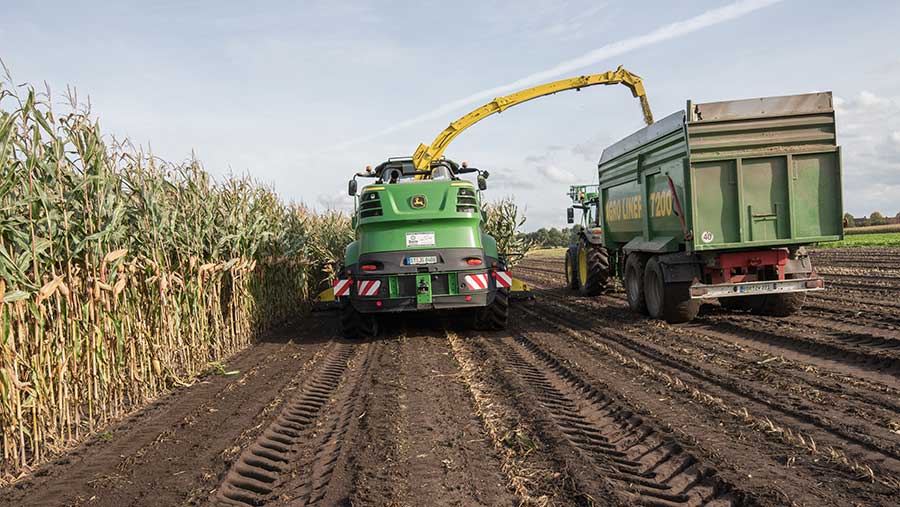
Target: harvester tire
x=593, y=269
x=495, y=316
x=356, y=325
x=634, y=283
x=669, y=301
x=571, y=278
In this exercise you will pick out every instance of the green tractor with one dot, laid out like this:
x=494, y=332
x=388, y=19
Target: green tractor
x=421, y=246
x=587, y=260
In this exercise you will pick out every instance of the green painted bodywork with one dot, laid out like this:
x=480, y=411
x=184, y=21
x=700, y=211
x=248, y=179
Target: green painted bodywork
x=387, y=231
x=747, y=174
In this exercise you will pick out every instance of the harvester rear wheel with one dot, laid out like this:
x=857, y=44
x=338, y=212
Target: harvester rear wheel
x=634, y=283
x=356, y=325
x=571, y=280
x=495, y=316
x=669, y=301
x=593, y=269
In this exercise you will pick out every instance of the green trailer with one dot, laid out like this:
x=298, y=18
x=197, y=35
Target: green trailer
x=719, y=201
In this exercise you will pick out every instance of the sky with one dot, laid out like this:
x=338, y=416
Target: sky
x=300, y=95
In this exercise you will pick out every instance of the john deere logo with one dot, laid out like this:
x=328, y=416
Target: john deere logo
x=418, y=201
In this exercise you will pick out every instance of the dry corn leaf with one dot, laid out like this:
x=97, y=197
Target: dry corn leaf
x=115, y=255
x=49, y=288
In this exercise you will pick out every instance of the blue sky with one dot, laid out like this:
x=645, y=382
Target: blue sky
x=302, y=94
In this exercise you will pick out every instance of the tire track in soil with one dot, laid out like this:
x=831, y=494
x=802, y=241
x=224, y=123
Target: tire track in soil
x=881, y=454
x=167, y=452
x=420, y=442
x=769, y=470
x=322, y=477
x=853, y=299
x=856, y=356
x=258, y=472
x=808, y=417
x=538, y=465
x=646, y=468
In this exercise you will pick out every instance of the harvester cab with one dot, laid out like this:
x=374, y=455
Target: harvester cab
x=587, y=261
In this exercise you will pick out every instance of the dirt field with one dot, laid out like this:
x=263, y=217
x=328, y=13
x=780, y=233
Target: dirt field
x=580, y=403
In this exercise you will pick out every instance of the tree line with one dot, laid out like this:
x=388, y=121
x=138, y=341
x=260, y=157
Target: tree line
x=875, y=218
x=549, y=238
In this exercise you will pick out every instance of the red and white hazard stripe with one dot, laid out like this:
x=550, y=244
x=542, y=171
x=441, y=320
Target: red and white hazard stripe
x=504, y=278
x=341, y=287
x=477, y=282
x=368, y=287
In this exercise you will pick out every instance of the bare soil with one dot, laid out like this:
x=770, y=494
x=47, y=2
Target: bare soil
x=580, y=402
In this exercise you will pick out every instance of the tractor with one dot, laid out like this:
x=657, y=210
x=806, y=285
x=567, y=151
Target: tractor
x=587, y=260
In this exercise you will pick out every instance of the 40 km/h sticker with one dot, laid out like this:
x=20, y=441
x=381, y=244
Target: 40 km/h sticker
x=707, y=237
x=419, y=239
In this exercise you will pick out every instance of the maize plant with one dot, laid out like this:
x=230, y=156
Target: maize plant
x=503, y=222
x=122, y=275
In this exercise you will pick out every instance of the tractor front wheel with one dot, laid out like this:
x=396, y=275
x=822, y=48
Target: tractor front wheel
x=356, y=325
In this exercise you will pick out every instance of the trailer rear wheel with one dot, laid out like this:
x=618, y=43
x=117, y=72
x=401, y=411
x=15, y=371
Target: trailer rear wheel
x=669, y=301
x=634, y=283
x=356, y=325
x=593, y=269
x=495, y=316
x=571, y=281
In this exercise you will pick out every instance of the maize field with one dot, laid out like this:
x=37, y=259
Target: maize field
x=123, y=275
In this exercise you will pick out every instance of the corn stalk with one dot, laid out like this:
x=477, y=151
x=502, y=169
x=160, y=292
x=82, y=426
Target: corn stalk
x=122, y=275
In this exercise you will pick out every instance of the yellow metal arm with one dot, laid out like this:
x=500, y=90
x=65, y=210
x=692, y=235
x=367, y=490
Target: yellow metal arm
x=424, y=155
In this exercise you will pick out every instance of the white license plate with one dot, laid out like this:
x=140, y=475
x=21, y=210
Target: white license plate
x=750, y=289
x=426, y=259
x=419, y=239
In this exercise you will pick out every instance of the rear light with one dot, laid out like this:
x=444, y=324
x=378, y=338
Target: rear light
x=468, y=298
x=378, y=304
x=473, y=262
x=369, y=267
x=815, y=284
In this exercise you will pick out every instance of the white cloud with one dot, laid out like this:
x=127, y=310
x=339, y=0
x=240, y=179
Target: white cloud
x=666, y=32
x=869, y=133
x=338, y=200
x=556, y=174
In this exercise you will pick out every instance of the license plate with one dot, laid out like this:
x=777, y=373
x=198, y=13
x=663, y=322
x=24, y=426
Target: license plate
x=425, y=259
x=750, y=289
x=419, y=239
